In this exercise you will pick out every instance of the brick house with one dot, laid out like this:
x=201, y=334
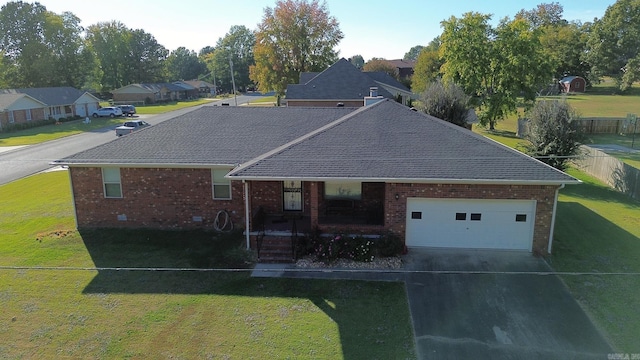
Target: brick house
x=36, y=104
x=154, y=92
x=343, y=83
x=370, y=170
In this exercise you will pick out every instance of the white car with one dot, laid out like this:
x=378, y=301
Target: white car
x=107, y=111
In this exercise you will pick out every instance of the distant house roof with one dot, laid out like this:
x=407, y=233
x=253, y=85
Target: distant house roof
x=341, y=81
x=383, y=79
x=382, y=142
x=402, y=64
x=52, y=96
x=199, y=84
x=6, y=100
x=154, y=88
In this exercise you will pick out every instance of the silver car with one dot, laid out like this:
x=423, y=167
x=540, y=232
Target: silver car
x=110, y=111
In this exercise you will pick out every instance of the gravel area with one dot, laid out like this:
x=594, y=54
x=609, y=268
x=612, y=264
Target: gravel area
x=377, y=263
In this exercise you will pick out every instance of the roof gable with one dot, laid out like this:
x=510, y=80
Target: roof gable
x=18, y=102
x=341, y=81
x=52, y=96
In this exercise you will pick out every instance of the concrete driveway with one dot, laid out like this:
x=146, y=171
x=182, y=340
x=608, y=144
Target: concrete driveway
x=495, y=305
x=482, y=305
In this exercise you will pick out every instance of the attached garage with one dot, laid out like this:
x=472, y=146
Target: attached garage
x=470, y=223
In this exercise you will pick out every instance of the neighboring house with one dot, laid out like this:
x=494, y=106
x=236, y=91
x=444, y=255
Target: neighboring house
x=154, y=92
x=572, y=84
x=20, y=108
x=343, y=83
x=376, y=169
x=404, y=67
x=61, y=102
x=204, y=88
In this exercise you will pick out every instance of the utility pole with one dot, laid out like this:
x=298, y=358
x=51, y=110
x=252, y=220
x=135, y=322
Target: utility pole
x=233, y=81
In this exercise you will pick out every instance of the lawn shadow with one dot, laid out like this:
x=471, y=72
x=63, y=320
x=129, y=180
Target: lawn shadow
x=597, y=192
x=591, y=244
x=368, y=314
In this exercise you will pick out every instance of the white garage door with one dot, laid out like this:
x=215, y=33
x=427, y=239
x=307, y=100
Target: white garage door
x=471, y=224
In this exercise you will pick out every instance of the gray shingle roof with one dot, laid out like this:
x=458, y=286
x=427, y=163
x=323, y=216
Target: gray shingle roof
x=382, y=142
x=341, y=81
x=211, y=135
x=305, y=77
x=52, y=96
x=388, y=141
x=386, y=79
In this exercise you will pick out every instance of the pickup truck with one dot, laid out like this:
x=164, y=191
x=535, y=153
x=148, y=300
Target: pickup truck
x=130, y=126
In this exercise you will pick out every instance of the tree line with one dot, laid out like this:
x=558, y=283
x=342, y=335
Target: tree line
x=495, y=65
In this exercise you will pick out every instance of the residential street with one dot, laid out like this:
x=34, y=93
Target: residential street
x=24, y=161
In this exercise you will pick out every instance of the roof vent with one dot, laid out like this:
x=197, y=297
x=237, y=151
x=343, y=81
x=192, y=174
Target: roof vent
x=373, y=91
x=340, y=104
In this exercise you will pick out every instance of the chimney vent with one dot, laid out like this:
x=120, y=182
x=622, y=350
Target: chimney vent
x=373, y=91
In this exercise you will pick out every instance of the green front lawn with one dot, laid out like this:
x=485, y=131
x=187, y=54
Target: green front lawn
x=166, y=107
x=41, y=134
x=106, y=313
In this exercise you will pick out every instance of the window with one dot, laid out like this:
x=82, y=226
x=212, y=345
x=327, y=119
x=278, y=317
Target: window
x=461, y=216
x=416, y=215
x=28, y=112
x=343, y=190
x=521, y=217
x=11, y=119
x=475, y=217
x=221, y=186
x=112, y=184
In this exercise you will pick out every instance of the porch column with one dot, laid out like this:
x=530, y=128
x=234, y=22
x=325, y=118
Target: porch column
x=313, y=211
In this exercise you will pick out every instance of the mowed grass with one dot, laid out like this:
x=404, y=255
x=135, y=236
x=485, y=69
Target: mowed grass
x=84, y=312
x=41, y=134
x=598, y=231
x=264, y=101
x=163, y=108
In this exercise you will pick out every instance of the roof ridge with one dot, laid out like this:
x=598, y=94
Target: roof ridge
x=304, y=137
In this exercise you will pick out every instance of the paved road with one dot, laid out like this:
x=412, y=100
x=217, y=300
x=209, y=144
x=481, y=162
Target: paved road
x=24, y=161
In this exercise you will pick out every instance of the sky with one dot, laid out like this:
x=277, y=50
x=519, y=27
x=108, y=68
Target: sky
x=372, y=28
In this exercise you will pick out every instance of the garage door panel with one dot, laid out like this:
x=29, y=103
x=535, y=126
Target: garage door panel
x=481, y=224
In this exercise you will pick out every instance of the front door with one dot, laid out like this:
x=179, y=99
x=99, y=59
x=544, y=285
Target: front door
x=292, y=195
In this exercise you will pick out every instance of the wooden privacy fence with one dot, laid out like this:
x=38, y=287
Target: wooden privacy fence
x=613, y=172
x=593, y=126
x=606, y=126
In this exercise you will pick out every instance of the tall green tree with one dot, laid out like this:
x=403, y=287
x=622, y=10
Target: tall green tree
x=126, y=56
x=144, y=60
x=426, y=70
x=184, y=64
x=357, y=61
x=109, y=41
x=296, y=36
x=495, y=66
x=413, y=53
x=614, y=44
x=237, y=45
x=45, y=49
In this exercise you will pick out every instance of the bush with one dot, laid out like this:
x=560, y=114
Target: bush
x=389, y=245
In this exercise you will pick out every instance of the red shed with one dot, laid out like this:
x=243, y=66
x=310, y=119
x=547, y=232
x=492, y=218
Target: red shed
x=573, y=84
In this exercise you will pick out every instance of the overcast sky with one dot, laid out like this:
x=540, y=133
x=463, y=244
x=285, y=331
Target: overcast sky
x=372, y=28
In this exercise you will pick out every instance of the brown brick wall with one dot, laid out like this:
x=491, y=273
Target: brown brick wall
x=395, y=210
x=153, y=198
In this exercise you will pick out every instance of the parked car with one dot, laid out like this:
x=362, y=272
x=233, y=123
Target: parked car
x=107, y=111
x=130, y=126
x=127, y=110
